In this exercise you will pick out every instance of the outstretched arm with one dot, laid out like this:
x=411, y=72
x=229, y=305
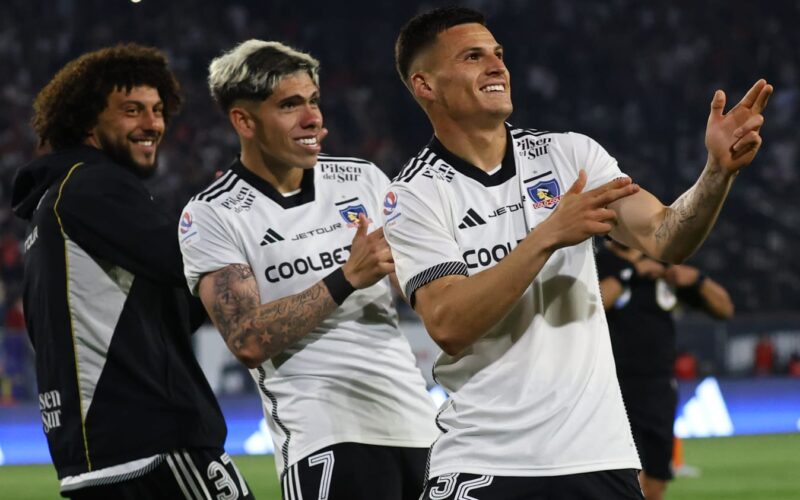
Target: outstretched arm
x=672, y=233
x=256, y=332
x=458, y=310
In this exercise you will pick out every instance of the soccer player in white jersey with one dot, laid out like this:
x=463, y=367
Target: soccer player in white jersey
x=490, y=227
x=288, y=257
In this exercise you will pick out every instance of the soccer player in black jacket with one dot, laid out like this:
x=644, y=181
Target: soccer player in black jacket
x=126, y=409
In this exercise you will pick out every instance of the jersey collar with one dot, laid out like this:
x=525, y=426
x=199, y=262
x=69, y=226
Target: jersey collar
x=306, y=194
x=507, y=170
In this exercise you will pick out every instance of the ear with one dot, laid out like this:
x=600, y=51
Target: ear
x=90, y=138
x=242, y=122
x=421, y=87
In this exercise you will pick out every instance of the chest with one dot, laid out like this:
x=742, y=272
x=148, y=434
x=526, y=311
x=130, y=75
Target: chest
x=292, y=248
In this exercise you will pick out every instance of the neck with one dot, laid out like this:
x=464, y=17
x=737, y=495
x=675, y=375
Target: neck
x=483, y=147
x=284, y=179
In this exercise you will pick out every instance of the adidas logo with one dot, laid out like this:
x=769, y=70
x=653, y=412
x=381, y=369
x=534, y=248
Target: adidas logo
x=472, y=219
x=271, y=237
x=705, y=414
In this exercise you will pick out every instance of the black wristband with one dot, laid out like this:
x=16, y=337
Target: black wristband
x=692, y=293
x=699, y=282
x=338, y=286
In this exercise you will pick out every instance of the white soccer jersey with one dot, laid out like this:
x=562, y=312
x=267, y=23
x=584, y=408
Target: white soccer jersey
x=353, y=379
x=537, y=395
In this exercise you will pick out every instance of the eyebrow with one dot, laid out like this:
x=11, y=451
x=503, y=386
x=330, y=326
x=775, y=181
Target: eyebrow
x=298, y=97
x=139, y=103
x=479, y=49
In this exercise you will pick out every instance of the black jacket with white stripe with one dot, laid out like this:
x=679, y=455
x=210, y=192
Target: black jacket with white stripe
x=109, y=316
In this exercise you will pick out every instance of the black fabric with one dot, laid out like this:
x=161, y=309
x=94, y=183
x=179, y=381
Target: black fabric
x=691, y=295
x=642, y=332
x=651, y=406
x=359, y=472
x=151, y=395
x=306, y=194
x=602, y=485
x=163, y=484
x=338, y=286
x=508, y=166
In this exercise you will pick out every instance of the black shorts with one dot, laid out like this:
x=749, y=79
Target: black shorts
x=354, y=471
x=199, y=474
x=651, y=405
x=601, y=485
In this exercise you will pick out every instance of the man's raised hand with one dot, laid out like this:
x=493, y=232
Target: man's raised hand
x=370, y=257
x=732, y=138
x=581, y=215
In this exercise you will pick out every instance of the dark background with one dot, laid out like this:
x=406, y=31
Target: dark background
x=636, y=76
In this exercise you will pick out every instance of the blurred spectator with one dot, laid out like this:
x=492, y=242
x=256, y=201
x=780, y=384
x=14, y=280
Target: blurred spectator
x=645, y=106
x=685, y=366
x=793, y=368
x=764, y=359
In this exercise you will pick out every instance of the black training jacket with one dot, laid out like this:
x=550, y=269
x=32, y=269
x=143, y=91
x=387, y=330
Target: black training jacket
x=109, y=316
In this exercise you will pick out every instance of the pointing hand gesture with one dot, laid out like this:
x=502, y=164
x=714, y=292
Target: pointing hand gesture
x=732, y=138
x=582, y=214
x=370, y=257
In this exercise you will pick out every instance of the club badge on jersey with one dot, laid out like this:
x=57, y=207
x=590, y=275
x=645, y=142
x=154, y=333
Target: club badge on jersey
x=351, y=211
x=545, y=194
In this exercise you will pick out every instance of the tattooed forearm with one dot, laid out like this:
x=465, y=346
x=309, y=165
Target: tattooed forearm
x=235, y=294
x=681, y=212
x=690, y=218
x=258, y=331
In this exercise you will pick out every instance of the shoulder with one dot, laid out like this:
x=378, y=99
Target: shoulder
x=530, y=138
x=424, y=171
x=99, y=176
x=348, y=169
x=214, y=193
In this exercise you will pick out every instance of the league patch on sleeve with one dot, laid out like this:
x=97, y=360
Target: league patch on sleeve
x=390, y=206
x=187, y=231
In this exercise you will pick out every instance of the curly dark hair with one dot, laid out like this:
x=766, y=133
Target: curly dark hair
x=68, y=106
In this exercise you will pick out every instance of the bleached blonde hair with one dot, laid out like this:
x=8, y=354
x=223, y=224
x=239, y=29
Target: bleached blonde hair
x=253, y=69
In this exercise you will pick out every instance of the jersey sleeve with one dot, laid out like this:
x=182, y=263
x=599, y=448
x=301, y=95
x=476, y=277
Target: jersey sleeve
x=108, y=212
x=379, y=186
x=421, y=237
x=600, y=166
x=206, y=243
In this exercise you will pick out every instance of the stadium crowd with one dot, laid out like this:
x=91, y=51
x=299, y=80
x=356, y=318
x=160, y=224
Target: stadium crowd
x=636, y=76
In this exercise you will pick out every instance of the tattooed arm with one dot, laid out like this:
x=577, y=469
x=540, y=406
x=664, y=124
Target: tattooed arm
x=672, y=233
x=256, y=332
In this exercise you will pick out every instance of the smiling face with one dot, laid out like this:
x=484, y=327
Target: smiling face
x=130, y=128
x=288, y=124
x=463, y=75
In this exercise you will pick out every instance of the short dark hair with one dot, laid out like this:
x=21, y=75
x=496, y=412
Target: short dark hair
x=421, y=31
x=70, y=103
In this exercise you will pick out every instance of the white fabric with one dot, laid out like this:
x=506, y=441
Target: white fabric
x=108, y=475
x=537, y=395
x=353, y=379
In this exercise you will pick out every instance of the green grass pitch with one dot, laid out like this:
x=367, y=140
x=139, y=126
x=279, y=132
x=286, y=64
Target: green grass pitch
x=738, y=468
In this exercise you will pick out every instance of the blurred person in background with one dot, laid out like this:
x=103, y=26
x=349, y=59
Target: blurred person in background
x=764, y=356
x=639, y=295
x=127, y=411
x=280, y=251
